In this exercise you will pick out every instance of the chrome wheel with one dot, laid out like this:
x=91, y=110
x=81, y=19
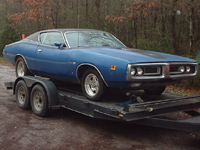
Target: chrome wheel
x=91, y=85
x=20, y=69
x=21, y=95
x=38, y=101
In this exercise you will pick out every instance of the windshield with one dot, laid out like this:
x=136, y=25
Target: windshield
x=92, y=39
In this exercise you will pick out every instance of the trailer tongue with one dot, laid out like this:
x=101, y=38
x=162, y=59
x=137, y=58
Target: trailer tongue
x=44, y=95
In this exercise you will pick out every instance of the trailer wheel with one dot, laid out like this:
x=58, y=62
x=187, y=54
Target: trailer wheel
x=22, y=95
x=39, y=102
x=155, y=90
x=92, y=85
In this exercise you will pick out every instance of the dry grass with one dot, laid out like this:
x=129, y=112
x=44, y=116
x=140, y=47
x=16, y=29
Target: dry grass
x=3, y=61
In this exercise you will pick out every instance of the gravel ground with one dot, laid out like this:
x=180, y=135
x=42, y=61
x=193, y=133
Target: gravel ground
x=63, y=129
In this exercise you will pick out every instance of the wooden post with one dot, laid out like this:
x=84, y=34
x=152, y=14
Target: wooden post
x=23, y=36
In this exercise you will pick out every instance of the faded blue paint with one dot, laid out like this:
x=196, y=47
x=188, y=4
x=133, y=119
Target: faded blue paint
x=63, y=63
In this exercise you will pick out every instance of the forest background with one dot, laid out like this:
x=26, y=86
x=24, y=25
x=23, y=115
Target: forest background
x=170, y=26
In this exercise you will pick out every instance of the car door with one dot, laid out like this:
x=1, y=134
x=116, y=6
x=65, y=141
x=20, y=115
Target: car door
x=51, y=60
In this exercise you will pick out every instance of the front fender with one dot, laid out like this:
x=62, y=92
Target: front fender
x=111, y=68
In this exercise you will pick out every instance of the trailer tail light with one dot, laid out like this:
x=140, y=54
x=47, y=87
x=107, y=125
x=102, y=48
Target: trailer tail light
x=120, y=115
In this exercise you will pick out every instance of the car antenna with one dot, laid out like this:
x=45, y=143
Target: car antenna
x=78, y=20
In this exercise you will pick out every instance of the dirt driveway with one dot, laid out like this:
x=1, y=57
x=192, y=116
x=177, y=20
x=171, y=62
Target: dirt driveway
x=64, y=129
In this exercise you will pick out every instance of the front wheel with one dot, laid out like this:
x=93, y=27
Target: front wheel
x=39, y=102
x=155, y=90
x=92, y=85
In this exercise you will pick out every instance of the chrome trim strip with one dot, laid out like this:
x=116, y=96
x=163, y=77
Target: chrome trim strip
x=92, y=66
x=183, y=63
x=66, y=37
x=150, y=64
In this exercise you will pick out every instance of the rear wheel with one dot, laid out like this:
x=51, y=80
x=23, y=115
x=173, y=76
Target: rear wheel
x=39, y=102
x=22, y=95
x=92, y=85
x=155, y=90
x=21, y=68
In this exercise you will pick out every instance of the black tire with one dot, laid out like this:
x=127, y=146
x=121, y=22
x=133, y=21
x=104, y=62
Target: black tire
x=39, y=101
x=22, y=95
x=21, y=68
x=155, y=90
x=94, y=90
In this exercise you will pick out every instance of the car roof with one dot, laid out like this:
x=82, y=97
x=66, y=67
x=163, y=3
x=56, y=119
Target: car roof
x=34, y=36
x=71, y=29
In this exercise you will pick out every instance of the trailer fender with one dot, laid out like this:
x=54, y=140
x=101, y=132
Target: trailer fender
x=49, y=86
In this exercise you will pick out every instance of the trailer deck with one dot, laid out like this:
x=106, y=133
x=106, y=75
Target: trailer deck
x=151, y=111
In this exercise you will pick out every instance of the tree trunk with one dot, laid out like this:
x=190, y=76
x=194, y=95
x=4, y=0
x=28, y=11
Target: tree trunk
x=135, y=32
x=191, y=27
x=173, y=27
x=98, y=21
x=155, y=18
x=163, y=20
x=86, y=11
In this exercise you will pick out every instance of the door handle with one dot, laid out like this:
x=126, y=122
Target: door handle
x=39, y=50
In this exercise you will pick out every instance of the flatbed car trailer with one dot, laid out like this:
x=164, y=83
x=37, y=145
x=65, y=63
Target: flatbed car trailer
x=44, y=95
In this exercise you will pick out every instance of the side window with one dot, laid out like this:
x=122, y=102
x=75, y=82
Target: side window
x=49, y=38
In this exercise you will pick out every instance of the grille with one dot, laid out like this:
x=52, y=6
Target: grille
x=156, y=71
x=174, y=69
x=152, y=71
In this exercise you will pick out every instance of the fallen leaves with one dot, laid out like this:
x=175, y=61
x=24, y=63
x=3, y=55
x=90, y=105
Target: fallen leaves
x=183, y=89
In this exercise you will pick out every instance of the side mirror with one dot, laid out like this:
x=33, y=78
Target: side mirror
x=58, y=44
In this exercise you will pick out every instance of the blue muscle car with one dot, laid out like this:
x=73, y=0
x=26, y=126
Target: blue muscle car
x=96, y=59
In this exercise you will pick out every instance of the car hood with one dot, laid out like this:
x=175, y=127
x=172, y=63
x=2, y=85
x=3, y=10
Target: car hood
x=138, y=56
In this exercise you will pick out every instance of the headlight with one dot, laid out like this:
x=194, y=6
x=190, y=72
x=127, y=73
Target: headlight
x=133, y=71
x=188, y=69
x=181, y=69
x=140, y=71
